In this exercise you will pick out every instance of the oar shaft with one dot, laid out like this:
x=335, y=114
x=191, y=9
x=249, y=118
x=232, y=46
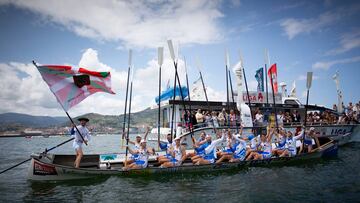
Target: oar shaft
x=128, y=126
x=77, y=130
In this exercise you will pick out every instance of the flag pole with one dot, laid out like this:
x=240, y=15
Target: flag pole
x=160, y=62
x=273, y=93
x=126, y=97
x=128, y=123
x=71, y=120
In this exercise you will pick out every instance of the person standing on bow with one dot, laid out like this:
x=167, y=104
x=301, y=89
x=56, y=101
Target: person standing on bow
x=78, y=141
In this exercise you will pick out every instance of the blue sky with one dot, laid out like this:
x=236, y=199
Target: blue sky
x=301, y=36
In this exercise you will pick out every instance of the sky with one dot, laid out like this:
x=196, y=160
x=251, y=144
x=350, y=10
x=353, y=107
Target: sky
x=322, y=36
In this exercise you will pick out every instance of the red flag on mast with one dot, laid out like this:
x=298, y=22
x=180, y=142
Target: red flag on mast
x=272, y=73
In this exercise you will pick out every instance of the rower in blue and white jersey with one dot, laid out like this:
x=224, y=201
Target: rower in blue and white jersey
x=143, y=156
x=136, y=144
x=165, y=146
x=178, y=154
x=281, y=141
x=210, y=151
x=290, y=146
x=240, y=151
x=265, y=147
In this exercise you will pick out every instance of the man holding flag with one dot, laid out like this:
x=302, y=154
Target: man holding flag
x=71, y=86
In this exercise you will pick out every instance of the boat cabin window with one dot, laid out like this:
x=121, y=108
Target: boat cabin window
x=291, y=101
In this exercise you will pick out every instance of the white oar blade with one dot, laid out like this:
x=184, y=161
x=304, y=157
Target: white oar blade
x=160, y=55
x=309, y=80
x=130, y=57
x=227, y=58
x=171, y=49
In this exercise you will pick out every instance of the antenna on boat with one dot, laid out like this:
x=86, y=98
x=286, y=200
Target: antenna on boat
x=160, y=62
x=128, y=123
x=308, y=86
x=177, y=78
x=126, y=97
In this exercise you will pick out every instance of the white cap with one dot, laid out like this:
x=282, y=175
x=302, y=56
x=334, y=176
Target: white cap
x=312, y=129
x=142, y=141
x=208, y=136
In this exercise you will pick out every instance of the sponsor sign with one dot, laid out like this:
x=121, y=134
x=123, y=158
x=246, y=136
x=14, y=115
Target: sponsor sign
x=43, y=169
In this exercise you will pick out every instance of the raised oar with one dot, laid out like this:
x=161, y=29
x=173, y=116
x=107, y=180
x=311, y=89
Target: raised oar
x=126, y=97
x=203, y=85
x=246, y=86
x=46, y=150
x=160, y=62
x=227, y=65
x=128, y=124
x=308, y=86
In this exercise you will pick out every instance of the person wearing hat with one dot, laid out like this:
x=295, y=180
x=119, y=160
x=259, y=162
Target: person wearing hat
x=178, y=154
x=78, y=140
x=143, y=155
x=136, y=144
x=308, y=138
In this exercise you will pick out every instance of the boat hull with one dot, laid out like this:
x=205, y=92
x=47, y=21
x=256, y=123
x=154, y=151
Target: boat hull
x=42, y=168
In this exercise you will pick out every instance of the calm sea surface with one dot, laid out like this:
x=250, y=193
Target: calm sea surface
x=332, y=180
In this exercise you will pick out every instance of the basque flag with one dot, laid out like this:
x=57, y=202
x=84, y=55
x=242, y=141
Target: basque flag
x=272, y=73
x=260, y=79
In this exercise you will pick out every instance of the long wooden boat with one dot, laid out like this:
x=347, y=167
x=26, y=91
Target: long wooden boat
x=49, y=167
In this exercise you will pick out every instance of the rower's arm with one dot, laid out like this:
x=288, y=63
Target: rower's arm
x=131, y=151
x=183, y=152
x=131, y=142
x=146, y=133
x=213, y=144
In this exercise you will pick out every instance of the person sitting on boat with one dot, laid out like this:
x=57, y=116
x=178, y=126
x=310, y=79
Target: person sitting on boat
x=254, y=143
x=201, y=139
x=280, y=142
x=231, y=144
x=265, y=147
x=178, y=155
x=199, y=147
x=210, y=151
x=237, y=151
x=165, y=146
x=78, y=140
x=143, y=155
x=136, y=144
x=308, y=138
x=290, y=145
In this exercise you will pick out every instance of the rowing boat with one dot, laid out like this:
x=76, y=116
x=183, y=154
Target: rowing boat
x=50, y=167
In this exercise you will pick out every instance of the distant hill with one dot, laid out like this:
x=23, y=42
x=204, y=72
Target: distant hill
x=29, y=120
x=16, y=121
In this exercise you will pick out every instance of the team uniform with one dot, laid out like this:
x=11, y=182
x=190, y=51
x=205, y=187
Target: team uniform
x=137, y=148
x=142, y=159
x=177, y=159
x=78, y=142
x=265, y=150
x=281, y=142
x=210, y=150
x=166, y=146
x=240, y=150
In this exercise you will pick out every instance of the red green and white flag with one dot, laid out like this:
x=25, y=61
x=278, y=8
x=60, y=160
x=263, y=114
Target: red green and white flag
x=72, y=85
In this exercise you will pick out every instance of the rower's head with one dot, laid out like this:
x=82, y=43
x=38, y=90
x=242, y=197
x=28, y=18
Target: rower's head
x=208, y=138
x=263, y=137
x=143, y=143
x=289, y=133
x=312, y=130
x=202, y=135
x=83, y=121
x=138, y=138
x=177, y=141
x=168, y=137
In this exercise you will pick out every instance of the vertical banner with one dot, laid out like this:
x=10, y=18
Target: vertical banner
x=272, y=73
x=260, y=79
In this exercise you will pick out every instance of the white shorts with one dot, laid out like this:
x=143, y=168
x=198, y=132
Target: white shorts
x=77, y=145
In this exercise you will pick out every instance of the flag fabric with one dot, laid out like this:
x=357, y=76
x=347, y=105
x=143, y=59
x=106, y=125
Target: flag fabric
x=197, y=92
x=169, y=94
x=260, y=79
x=72, y=85
x=272, y=73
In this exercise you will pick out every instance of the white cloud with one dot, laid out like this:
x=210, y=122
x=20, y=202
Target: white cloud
x=134, y=23
x=24, y=91
x=348, y=41
x=294, y=27
x=325, y=65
